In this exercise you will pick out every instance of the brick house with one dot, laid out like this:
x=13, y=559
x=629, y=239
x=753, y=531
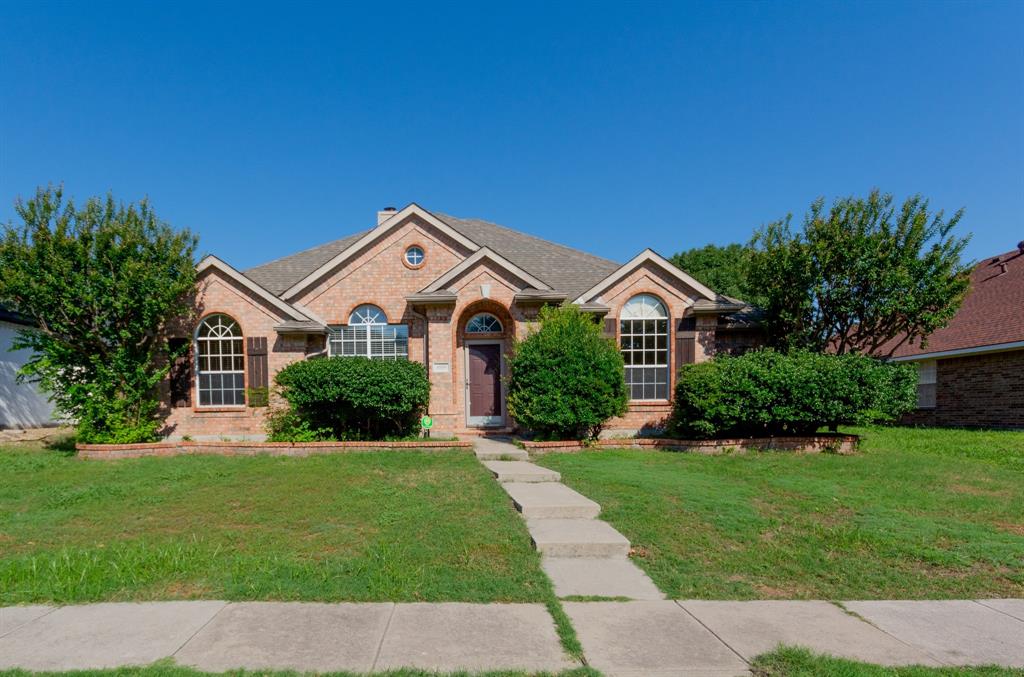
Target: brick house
x=448, y=292
x=971, y=372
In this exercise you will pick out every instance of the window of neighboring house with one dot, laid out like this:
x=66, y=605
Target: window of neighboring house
x=368, y=334
x=220, y=358
x=484, y=323
x=926, y=380
x=643, y=335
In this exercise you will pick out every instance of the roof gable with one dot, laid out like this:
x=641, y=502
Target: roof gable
x=482, y=254
x=368, y=238
x=647, y=256
x=214, y=263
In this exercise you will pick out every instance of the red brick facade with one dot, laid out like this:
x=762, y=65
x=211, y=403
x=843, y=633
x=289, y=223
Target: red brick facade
x=377, y=274
x=977, y=391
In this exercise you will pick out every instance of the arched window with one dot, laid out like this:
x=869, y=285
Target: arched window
x=220, y=358
x=484, y=323
x=368, y=334
x=643, y=330
x=367, y=314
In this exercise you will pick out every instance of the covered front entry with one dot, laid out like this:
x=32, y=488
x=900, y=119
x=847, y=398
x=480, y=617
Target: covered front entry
x=484, y=401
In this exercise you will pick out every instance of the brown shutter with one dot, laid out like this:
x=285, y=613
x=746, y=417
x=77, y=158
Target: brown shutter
x=609, y=327
x=685, y=353
x=181, y=372
x=256, y=352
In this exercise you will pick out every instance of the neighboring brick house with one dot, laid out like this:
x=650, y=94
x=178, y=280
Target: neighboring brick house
x=971, y=373
x=448, y=292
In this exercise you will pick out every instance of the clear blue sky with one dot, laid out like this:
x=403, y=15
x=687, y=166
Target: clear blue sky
x=610, y=127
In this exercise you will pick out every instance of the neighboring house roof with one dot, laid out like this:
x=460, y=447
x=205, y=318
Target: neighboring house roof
x=15, y=318
x=992, y=314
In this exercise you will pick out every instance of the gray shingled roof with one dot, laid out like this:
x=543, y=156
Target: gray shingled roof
x=565, y=269
x=280, y=274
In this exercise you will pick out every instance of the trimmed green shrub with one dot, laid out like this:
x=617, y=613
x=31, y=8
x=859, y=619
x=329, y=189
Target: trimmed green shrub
x=347, y=398
x=770, y=393
x=565, y=379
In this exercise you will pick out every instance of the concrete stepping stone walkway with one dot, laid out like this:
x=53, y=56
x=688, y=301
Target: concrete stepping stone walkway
x=583, y=556
x=498, y=449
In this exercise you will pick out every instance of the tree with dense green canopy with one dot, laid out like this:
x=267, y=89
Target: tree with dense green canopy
x=101, y=282
x=861, y=277
x=723, y=269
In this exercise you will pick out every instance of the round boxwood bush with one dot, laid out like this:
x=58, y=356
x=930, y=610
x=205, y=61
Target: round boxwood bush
x=770, y=393
x=346, y=398
x=565, y=379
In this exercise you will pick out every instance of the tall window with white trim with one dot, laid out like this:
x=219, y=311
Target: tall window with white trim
x=926, y=379
x=368, y=334
x=643, y=335
x=220, y=363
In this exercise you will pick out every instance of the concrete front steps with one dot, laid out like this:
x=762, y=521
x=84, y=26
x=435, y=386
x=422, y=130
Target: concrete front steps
x=550, y=500
x=583, y=556
x=520, y=471
x=496, y=449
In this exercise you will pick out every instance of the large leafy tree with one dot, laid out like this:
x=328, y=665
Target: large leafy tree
x=723, y=269
x=861, y=277
x=101, y=281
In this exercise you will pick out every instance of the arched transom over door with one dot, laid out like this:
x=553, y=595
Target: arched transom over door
x=643, y=336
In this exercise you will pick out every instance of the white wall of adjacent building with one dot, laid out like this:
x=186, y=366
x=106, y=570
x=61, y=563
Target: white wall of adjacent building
x=22, y=405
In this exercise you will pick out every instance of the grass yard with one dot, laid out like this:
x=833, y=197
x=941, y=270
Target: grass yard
x=396, y=526
x=790, y=662
x=917, y=514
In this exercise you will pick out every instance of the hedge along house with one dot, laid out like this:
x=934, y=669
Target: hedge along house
x=450, y=293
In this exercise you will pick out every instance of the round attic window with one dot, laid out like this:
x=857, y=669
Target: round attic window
x=414, y=256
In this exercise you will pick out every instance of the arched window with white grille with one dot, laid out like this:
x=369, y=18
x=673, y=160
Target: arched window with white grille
x=483, y=323
x=368, y=334
x=220, y=363
x=643, y=337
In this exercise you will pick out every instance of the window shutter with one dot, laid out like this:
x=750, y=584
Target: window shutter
x=685, y=352
x=609, y=327
x=256, y=352
x=181, y=373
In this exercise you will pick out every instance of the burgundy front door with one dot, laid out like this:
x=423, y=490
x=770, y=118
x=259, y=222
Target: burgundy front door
x=485, y=384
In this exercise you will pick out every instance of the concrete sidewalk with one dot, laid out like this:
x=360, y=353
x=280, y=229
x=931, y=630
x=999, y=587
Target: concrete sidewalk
x=619, y=638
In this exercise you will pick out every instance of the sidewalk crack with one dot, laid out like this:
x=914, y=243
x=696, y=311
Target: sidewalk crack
x=201, y=628
x=716, y=635
x=380, y=644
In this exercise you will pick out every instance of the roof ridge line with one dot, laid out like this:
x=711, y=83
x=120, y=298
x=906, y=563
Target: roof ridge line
x=525, y=234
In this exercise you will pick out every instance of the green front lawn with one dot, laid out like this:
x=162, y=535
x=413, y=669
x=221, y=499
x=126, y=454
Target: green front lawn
x=397, y=526
x=916, y=514
x=791, y=662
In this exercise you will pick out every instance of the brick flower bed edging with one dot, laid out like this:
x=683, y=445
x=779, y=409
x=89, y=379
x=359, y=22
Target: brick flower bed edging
x=242, y=448
x=811, y=444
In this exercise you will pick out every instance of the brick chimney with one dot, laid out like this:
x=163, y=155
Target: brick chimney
x=385, y=214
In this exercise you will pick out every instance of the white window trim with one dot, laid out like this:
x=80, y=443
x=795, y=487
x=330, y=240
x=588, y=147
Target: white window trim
x=667, y=350
x=368, y=339
x=492, y=316
x=199, y=372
